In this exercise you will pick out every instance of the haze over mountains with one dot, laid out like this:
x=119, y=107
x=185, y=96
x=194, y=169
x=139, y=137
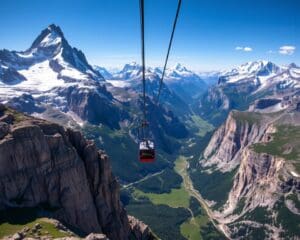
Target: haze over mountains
x=229, y=126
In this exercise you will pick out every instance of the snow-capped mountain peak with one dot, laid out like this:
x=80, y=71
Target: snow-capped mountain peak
x=131, y=67
x=180, y=68
x=178, y=72
x=51, y=36
x=250, y=70
x=49, y=63
x=257, y=67
x=184, y=82
x=56, y=29
x=129, y=71
x=51, y=44
x=51, y=39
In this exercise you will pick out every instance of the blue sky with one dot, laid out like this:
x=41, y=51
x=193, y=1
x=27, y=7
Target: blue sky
x=211, y=34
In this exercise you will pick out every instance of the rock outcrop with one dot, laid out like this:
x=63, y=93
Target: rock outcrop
x=139, y=229
x=256, y=181
x=44, y=164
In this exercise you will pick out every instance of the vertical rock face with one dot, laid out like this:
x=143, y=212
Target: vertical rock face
x=43, y=163
x=224, y=148
x=256, y=181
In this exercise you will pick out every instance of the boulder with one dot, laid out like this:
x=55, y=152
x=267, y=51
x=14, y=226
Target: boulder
x=17, y=236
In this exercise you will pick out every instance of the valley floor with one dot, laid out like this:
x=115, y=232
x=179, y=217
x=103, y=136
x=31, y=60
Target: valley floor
x=188, y=185
x=198, y=222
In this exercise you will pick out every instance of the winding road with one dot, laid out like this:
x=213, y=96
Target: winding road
x=193, y=192
x=142, y=180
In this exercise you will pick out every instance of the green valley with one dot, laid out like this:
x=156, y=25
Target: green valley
x=195, y=225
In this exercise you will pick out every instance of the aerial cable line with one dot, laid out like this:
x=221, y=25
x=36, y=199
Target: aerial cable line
x=168, y=52
x=142, y=21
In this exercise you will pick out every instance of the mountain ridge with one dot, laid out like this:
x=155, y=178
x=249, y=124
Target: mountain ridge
x=239, y=88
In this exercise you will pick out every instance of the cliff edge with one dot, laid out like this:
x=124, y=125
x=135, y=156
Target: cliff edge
x=44, y=164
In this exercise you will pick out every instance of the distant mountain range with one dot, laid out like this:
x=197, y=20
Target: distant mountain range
x=185, y=83
x=263, y=74
x=241, y=86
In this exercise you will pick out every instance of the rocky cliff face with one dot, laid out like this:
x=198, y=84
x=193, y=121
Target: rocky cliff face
x=228, y=142
x=256, y=181
x=44, y=164
x=261, y=149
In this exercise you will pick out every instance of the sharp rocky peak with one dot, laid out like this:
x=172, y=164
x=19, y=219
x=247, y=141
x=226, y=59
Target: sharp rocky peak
x=55, y=28
x=258, y=65
x=52, y=43
x=50, y=36
x=179, y=67
x=255, y=68
x=131, y=66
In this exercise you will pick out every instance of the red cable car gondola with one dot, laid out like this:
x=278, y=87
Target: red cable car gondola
x=147, y=151
x=146, y=146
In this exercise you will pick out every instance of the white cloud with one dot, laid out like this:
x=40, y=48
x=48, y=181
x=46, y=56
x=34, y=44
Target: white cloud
x=245, y=49
x=238, y=48
x=287, y=50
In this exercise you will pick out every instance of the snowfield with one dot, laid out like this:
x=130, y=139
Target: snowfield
x=119, y=83
x=40, y=77
x=51, y=39
x=263, y=74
